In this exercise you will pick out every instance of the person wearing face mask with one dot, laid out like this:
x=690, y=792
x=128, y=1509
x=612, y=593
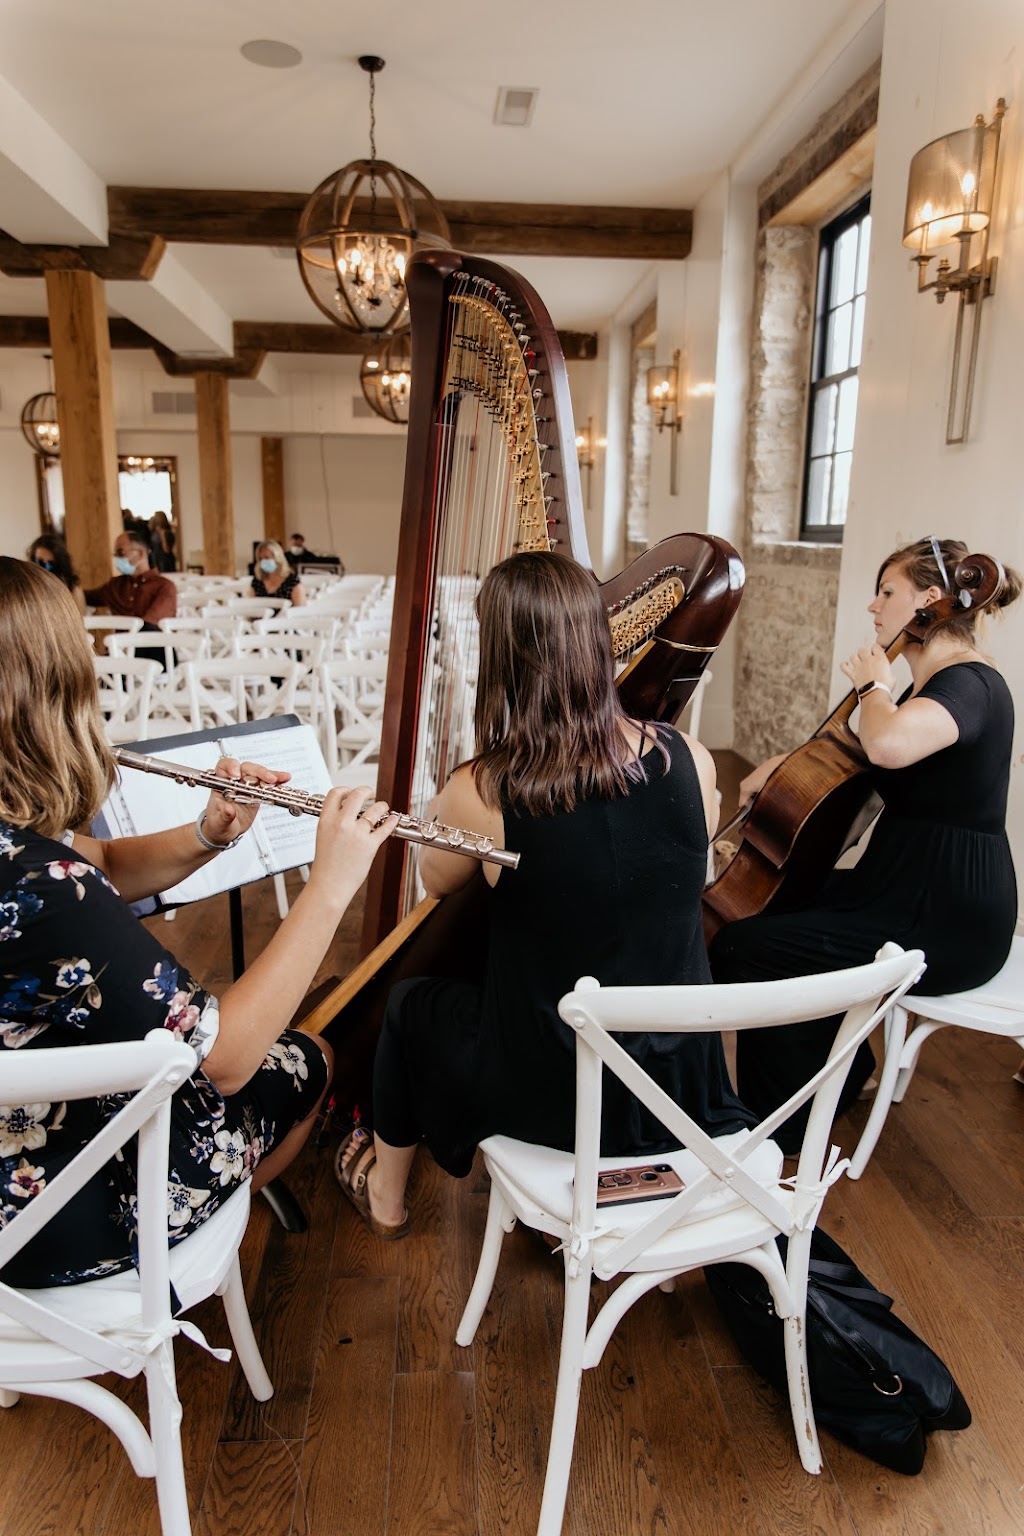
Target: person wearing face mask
x=137, y=591
x=51, y=554
x=273, y=577
x=296, y=550
x=937, y=873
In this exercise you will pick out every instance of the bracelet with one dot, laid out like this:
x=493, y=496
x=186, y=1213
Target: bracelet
x=207, y=843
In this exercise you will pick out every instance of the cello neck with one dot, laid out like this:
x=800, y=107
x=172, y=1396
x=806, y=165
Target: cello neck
x=835, y=724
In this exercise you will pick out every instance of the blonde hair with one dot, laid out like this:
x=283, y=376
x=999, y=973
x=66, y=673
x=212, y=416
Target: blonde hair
x=275, y=550
x=55, y=765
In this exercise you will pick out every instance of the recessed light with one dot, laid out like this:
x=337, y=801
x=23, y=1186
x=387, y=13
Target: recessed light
x=515, y=104
x=271, y=54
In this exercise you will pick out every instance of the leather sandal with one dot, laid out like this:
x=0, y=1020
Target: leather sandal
x=353, y=1178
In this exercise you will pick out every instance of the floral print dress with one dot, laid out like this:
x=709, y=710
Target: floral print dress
x=77, y=968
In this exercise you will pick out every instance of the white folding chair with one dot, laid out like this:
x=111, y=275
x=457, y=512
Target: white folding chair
x=228, y=690
x=125, y=685
x=112, y=622
x=308, y=652
x=54, y=1340
x=995, y=1008
x=169, y=702
x=353, y=718
x=206, y=634
x=253, y=608
x=734, y=1203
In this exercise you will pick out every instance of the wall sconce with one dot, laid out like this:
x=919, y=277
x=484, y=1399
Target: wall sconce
x=585, y=455
x=950, y=197
x=663, y=397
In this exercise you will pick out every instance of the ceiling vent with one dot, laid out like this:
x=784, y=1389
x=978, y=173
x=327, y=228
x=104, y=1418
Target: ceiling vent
x=361, y=406
x=174, y=402
x=515, y=106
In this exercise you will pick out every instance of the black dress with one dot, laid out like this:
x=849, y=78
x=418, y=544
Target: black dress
x=287, y=587
x=612, y=890
x=937, y=874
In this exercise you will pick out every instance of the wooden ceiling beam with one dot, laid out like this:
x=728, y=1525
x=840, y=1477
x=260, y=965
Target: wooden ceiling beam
x=34, y=331
x=126, y=258
x=208, y=217
x=332, y=341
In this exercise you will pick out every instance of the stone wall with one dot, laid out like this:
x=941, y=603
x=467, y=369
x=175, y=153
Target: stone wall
x=787, y=618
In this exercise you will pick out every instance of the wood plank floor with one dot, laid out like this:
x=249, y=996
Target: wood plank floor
x=382, y=1426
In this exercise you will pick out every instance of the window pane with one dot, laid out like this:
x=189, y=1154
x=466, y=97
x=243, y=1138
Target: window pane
x=823, y=430
x=846, y=416
x=857, y=339
x=840, y=487
x=837, y=357
x=818, y=480
x=863, y=254
x=844, y=267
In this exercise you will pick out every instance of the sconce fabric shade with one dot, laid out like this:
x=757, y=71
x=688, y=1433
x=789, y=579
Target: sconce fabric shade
x=951, y=186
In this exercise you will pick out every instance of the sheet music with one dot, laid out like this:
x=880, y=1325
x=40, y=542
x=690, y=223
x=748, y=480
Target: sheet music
x=277, y=841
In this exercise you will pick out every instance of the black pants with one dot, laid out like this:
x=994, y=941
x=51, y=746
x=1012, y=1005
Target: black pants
x=771, y=1064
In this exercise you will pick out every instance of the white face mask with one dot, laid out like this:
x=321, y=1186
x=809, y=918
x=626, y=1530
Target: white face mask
x=296, y=549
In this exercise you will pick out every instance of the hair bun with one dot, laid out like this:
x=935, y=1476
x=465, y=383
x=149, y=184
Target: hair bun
x=1011, y=588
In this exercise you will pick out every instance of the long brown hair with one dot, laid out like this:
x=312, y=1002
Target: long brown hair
x=920, y=565
x=55, y=765
x=549, y=725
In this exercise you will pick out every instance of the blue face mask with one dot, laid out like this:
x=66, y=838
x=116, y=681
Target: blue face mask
x=123, y=566
x=268, y=567
x=45, y=565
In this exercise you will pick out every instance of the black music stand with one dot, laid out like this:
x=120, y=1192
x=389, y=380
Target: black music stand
x=141, y=803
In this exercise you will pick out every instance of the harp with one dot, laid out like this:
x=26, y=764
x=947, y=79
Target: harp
x=491, y=468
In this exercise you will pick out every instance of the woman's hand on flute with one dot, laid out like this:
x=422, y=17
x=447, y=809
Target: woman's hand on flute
x=350, y=830
x=225, y=819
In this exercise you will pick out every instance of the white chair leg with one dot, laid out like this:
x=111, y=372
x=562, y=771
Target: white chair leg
x=567, y=1402
x=895, y=1035
x=908, y=1057
x=8, y=1399
x=795, y=1342
x=282, y=897
x=232, y=1293
x=103, y=1405
x=165, y=1432
x=499, y=1221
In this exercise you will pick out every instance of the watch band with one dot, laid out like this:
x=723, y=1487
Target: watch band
x=866, y=688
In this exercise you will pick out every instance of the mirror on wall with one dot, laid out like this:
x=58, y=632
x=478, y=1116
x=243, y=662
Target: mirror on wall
x=148, y=488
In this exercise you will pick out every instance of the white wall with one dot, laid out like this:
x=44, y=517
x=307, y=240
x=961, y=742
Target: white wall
x=942, y=63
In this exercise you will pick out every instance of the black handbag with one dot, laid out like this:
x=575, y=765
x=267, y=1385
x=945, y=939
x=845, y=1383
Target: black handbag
x=874, y=1383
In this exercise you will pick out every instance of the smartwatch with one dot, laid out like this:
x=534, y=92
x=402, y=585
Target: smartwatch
x=866, y=688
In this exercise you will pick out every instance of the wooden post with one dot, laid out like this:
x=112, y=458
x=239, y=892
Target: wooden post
x=214, y=425
x=272, y=462
x=80, y=339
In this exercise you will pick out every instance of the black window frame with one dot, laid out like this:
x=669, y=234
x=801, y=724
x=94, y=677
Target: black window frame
x=825, y=533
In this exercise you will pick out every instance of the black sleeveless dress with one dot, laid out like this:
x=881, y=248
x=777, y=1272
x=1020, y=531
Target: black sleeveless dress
x=937, y=874
x=611, y=889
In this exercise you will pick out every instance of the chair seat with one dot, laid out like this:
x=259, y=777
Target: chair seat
x=544, y=1177
x=996, y=1007
x=112, y=1306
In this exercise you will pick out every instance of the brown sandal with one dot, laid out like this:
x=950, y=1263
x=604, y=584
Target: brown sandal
x=353, y=1177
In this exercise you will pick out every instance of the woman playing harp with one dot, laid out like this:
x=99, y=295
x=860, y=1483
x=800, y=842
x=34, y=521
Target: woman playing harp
x=611, y=816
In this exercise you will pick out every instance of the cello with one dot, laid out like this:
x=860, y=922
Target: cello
x=819, y=800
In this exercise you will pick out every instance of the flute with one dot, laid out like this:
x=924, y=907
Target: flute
x=475, y=845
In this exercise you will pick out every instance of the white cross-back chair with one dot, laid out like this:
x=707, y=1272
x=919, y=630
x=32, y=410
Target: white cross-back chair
x=995, y=1008
x=169, y=702
x=113, y=622
x=197, y=634
x=353, y=700
x=227, y=690
x=254, y=608
x=125, y=686
x=54, y=1340
x=734, y=1203
x=308, y=652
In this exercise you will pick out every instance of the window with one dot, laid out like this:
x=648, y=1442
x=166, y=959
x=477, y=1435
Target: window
x=838, y=335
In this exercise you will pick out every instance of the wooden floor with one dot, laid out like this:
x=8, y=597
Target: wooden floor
x=382, y=1426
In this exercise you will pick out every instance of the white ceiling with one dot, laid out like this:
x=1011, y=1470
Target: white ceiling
x=639, y=105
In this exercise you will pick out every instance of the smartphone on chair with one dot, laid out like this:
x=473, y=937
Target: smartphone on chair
x=650, y=1181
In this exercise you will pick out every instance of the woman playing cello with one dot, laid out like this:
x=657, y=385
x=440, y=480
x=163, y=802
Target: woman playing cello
x=937, y=872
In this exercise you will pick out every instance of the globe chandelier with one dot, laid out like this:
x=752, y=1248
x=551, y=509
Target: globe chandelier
x=39, y=422
x=386, y=377
x=357, y=233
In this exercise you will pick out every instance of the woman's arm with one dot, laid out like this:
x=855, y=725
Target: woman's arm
x=707, y=773
x=459, y=805
x=298, y=595
x=262, y=1002
x=894, y=736
x=142, y=866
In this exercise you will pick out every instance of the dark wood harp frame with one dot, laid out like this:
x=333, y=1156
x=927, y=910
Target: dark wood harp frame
x=669, y=609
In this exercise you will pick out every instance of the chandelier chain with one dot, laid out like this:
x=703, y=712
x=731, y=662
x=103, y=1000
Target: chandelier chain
x=373, y=144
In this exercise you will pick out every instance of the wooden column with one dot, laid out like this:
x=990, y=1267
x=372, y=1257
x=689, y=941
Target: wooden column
x=80, y=339
x=272, y=462
x=214, y=425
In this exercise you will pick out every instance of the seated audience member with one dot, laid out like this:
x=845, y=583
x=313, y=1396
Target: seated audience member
x=137, y=591
x=271, y=576
x=296, y=550
x=51, y=554
x=611, y=816
x=79, y=968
